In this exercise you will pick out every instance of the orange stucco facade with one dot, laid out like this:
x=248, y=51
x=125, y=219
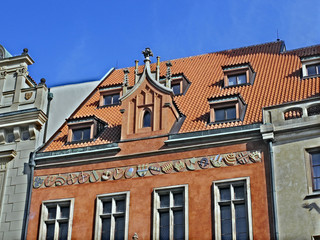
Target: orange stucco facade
x=199, y=183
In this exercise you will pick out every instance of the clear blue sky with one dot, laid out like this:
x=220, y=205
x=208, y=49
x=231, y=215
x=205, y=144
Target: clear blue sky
x=74, y=41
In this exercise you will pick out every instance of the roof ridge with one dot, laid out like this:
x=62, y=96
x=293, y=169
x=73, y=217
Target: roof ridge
x=295, y=49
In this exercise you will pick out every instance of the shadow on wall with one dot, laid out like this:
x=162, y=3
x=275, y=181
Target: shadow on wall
x=311, y=206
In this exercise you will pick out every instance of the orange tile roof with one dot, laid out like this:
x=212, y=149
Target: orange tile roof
x=277, y=81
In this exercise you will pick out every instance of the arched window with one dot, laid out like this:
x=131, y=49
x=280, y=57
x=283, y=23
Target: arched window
x=146, y=119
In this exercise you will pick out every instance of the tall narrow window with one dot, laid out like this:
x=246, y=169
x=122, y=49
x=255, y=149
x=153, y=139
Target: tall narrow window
x=170, y=213
x=146, y=119
x=56, y=219
x=112, y=216
x=315, y=164
x=232, y=209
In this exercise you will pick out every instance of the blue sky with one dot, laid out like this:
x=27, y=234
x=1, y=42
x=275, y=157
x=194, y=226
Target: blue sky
x=74, y=41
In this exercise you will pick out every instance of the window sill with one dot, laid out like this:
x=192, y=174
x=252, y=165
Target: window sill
x=225, y=121
x=312, y=76
x=237, y=85
x=110, y=105
x=312, y=195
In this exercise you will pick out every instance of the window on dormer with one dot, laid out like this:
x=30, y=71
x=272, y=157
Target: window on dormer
x=226, y=109
x=313, y=69
x=176, y=89
x=110, y=96
x=146, y=119
x=310, y=66
x=238, y=75
x=81, y=134
x=111, y=99
x=84, y=129
x=228, y=113
x=237, y=79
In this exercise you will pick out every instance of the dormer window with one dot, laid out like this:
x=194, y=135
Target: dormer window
x=176, y=89
x=111, y=99
x=310, y=66
x=228, y=109
x=84, y=129
x=238, y=75
x=81, y=134
x=146, y=119
x=179, y=84
x=313, y=70
x=110, y=96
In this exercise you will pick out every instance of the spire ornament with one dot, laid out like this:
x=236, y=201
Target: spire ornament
x=168, y=76
x=125, y=83
x=147, y=53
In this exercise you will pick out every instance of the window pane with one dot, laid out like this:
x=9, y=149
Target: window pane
x=239, y=192
x=50, y=231
x=116, y=98
x=315, y=159
x=77, y=135
x=63, y=231
x=64, y=212
x=105, y=234
x=178, y=199
x=176, y=89
x=219, y=114
x=311, y=70
x=241, y=221
x=226, y=237
x=226, y=220
x=178, y=228
x=225, y=194
x=231, y=113
x=147, y=119
x=225, y=212
x=107, y=207
x=316, y=183
x=164, y=200
x=107, y=100
x=232, y=80
x=164, y=225
x=242, y=79
x=86, y=133
x=119, y=228
x=120, y=205
x=316, y=171
x=318, y=69
x=52, y=212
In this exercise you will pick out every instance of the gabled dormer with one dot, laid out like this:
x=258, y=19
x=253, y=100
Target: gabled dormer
x=148, y=108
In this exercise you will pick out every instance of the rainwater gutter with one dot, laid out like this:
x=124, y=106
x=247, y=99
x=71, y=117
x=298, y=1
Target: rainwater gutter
x=30, y=173
x=274, y=196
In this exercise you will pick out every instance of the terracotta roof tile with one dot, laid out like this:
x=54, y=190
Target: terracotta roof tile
x=277, y=81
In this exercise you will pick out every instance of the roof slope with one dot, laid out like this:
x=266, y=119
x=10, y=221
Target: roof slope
x=278, y=80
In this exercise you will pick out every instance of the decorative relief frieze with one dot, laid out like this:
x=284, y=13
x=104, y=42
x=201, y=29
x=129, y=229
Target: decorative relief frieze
x=152, y=169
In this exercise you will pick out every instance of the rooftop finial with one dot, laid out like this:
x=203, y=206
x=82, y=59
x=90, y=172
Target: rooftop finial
x=168, y=77
x=158, y=69
x=136, y=71
x=147, y=53
x=125, y=80
x=25, y=51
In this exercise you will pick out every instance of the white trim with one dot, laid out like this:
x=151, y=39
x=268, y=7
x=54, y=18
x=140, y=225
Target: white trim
x=44, y=216
x=308, y=62
x=216, y=197
x=99, y=211
x=156, y=205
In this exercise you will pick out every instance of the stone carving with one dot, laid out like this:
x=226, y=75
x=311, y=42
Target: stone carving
x=147, y=53
x=145, y=170
x=28, y=95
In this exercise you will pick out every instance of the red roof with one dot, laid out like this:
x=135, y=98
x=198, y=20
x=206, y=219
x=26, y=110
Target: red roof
x=278, y=80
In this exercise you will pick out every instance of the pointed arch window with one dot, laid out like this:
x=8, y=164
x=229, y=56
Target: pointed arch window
x=146, y=118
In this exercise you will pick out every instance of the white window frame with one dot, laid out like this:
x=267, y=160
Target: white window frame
x=44, y=217
x=156, y=206
x=216, y=198
x=99, y=210
x=308, y=62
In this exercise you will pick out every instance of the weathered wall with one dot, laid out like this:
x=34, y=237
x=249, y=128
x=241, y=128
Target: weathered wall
x=141, y=188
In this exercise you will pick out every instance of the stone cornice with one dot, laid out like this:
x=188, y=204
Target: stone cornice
x=32, y=116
